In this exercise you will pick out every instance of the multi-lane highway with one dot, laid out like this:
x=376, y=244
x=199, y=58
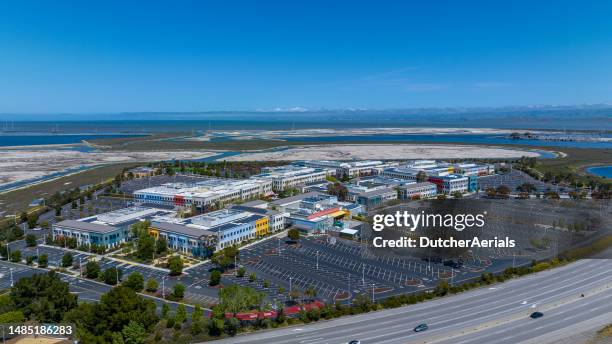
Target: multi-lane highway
x=499, y=314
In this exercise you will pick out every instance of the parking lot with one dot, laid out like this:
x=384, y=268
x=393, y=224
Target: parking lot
x=339, y=270
x=512, y=180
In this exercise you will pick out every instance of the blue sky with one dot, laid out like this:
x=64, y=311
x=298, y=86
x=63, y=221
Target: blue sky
x=81, y=57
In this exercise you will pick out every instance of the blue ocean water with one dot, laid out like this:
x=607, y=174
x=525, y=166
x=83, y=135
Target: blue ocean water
x=14, y=139
x=602, y=171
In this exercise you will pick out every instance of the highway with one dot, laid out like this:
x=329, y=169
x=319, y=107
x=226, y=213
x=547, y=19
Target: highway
x=497, y=314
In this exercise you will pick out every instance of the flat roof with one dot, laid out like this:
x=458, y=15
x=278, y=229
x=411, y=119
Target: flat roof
x=86, y=226
x=377, y=192
x=255, y=203
x=181, y=229
x=417, y=185
x=255, y=210
x=296, y=198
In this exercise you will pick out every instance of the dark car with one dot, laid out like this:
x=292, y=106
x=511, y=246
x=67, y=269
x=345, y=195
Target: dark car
x=354, y=342
x=421, y=328
x=536, y=315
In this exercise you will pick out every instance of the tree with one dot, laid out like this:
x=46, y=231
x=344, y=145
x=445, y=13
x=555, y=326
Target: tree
x=503, y=191
x=42, y=297
x=294, y=234
x=32, y=220
x=165, y=310
x=145, y=247
x=178, y=291
x=134, y=333
x=67, y=259
x=15, y=233
x=457, y=194
x=252, y=277
x=181, y=313
x=310, y=292
x=421, y=177
x=43, y=261
x=140, y=228
x=112, y=275
x=152, y=285
x=197, y=313
x=441, y=197
x=294, y=293
x=16, y=256
x=116, y=309
x=215, y=278
x=117, y=338
x=135, y=282
x=30, y=240
x=92, y=269
x=236, y=298
x=226, y=256
x=161, y=246
x=240, y=273
x=15, y=317
x=442, y=288
x=338, y=190
x=175, y=264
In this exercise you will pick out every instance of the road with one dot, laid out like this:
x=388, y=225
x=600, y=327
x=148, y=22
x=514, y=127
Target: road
x=499, y=314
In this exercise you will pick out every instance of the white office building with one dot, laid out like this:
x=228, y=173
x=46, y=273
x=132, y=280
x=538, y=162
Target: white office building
x=206, y=192
x=285, y=177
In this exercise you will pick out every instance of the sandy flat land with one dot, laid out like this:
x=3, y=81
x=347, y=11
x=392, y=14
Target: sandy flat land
x=275, y=134
x=22, y=164
x=399, y=151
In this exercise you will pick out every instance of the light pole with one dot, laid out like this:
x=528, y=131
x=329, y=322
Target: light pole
x=163, y=288
x=12, y=282
x=8, y=252
x=290, y=297
x=117, y=274
x=372, y=292
x=317, y=259
x=81, y=266
x=363, y=274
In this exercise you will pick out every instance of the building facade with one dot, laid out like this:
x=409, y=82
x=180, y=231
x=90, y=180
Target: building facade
x=213, y=191
x=418, y=191
x=290, y=176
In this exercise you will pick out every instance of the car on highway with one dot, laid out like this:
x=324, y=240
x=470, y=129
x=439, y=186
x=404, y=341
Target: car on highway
x=421, y=328
x=536, y=315
x=354, y=342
